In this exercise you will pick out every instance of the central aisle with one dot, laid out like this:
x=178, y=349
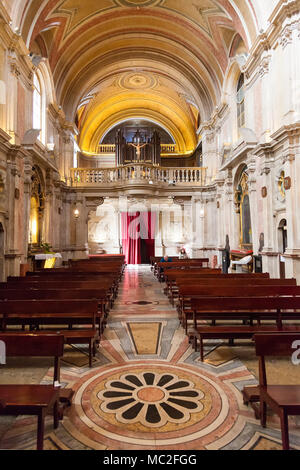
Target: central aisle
x=147, y=388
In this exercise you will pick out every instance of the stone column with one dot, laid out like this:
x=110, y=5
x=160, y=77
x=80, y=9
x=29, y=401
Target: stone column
x=289, y=138
x=266, y=193
x=252, y=185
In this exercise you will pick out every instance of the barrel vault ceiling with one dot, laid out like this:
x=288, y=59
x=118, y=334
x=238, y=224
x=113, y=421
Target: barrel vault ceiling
x=113, y=60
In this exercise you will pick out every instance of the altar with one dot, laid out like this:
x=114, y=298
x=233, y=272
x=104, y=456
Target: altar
x=45, y=260
x=238, y=258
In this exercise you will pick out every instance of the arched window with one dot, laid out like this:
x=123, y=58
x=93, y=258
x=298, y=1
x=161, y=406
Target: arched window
x=240, y=99
x=38, y=108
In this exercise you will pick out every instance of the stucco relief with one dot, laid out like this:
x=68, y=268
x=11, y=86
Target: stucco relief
x=103, y=229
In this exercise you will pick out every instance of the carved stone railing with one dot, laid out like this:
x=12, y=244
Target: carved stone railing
x=168, y=148
x=111, y=148
x=139, y=174
x=106, y=148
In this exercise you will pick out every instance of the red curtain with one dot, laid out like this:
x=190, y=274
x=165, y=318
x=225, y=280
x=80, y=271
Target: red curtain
x=148, y=221
x=135, y=226
x=131, y=237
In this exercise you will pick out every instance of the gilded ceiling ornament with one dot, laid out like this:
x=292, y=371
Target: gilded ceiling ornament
x=137, y=80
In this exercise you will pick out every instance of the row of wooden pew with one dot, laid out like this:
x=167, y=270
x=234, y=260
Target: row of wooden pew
x=76, y=301
x=160, y=267
x=212, y=305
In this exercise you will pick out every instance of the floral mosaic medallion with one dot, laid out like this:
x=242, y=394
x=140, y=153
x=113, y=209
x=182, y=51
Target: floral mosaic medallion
x=151, y=399
x=151, y=404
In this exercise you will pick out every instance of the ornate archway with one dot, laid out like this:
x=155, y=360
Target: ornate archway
x=242, y=202
x=37, y=205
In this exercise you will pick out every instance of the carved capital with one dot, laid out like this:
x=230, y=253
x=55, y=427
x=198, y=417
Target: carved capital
x=286, y=36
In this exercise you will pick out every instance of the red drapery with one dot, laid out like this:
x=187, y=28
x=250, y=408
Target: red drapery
x=148, y=220
x=135, y=226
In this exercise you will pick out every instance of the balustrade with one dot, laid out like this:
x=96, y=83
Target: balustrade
x=111, y=148
x=138, y=173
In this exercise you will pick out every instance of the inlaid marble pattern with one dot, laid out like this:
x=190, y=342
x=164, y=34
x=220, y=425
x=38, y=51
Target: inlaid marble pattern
x=140, y=395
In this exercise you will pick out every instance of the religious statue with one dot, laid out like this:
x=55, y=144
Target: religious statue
x=138, y=143
x=261, y=242
x=226, y=256
x=138, y=148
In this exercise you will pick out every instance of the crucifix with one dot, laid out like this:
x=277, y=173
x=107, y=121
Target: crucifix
x=138, y=144
x=138, y=148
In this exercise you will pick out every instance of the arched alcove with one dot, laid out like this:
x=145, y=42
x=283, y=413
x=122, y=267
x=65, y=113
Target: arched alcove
x=37, y=204
x=243, y=209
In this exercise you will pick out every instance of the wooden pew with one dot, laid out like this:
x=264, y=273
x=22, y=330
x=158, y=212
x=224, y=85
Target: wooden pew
x=21, y=344
x=36, y=400
x=283, y=399
x=94, y=265
x=156, y=259
x=30, y=293
x=197, y=292
x=49, y=312
x=33, y=399
x=189, y=264
x=66, y=283
x=76, y=336
x=176, y=278
x=70, y=274
x=224, y=281
x=241, y=308
x=107, y=257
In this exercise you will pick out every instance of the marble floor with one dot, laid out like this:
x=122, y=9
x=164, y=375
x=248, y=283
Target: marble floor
x=147, y=388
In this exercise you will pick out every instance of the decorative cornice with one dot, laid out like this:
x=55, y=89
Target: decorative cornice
x=284, y=19
x=39, y=155
x=58, y=118
x=238, y=154
x=283, y=10
x=20, y=64
x=287, y=132
x=4, y=138
x=218, y=114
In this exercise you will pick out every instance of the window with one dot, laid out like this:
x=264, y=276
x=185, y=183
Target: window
x=240, y=99
x=37, y=104
x=39, y=114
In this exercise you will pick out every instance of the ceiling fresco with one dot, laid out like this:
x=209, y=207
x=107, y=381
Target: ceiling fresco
x=163, y=60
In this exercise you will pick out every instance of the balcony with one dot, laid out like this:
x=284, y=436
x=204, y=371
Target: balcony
x=138, y=175
x=166, y=149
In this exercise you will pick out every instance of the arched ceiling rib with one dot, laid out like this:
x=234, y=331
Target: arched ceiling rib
x=182, y=46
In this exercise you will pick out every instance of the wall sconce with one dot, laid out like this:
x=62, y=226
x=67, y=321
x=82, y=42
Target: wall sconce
x=76, y=213
x=264, y=192
x=202, y=213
